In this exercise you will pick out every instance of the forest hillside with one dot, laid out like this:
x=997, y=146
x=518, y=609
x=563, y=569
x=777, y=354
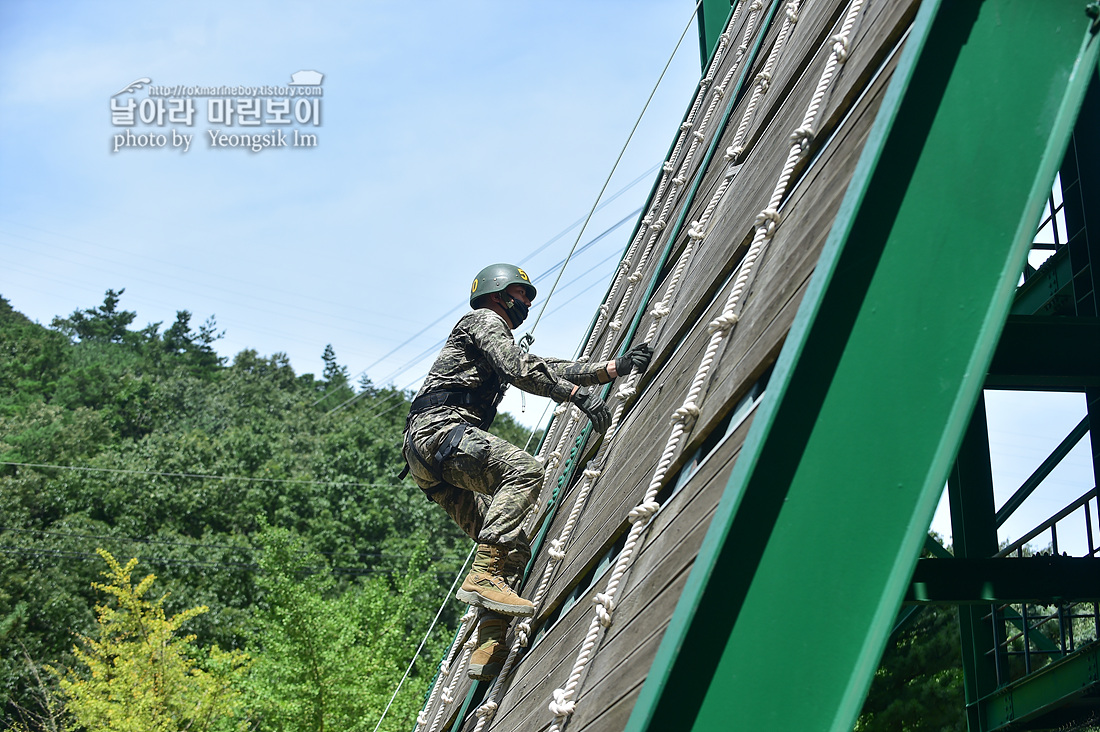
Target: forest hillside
x=248, y=491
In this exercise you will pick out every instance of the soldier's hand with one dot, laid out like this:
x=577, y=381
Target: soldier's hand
x=596, y=410
x=637, y=357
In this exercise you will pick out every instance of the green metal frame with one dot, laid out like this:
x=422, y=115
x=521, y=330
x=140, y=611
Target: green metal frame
x=879, y=375
x=712, y=17
x=1029, y=698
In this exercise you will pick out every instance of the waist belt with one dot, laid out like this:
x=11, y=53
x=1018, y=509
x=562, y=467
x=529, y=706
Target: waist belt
x=450, y=442
x=443, y=399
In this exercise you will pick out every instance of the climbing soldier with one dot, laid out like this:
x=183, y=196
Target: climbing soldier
x=487, y=485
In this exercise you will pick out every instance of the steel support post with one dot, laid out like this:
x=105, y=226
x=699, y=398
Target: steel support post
x=974, y=535
x=1081, y=194
x=851, y=446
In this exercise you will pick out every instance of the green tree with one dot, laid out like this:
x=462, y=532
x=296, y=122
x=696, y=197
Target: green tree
x=329, y=660
x=919, y=685
x=140, y=675
x=105, y=323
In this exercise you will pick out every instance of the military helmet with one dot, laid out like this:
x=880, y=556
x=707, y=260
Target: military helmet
x=497, y=278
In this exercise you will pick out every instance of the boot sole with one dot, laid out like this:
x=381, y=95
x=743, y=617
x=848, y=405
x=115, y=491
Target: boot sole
x=482, y=674
x=515, y=611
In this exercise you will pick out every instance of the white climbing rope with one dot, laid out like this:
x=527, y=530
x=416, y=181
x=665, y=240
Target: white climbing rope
x=466, y=620
x=564, y=702
x=553, y=460
x=556, y=550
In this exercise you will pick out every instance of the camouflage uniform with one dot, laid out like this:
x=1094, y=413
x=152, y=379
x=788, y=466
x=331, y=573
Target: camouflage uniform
x=487, y=485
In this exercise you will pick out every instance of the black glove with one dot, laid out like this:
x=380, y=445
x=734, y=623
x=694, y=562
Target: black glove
x=637, y=357
x=596, y=409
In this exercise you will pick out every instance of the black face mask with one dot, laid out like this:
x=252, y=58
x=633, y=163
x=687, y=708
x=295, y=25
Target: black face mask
x=517, y=311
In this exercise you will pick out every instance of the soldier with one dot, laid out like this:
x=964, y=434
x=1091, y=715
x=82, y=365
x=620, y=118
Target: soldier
x=487, y=485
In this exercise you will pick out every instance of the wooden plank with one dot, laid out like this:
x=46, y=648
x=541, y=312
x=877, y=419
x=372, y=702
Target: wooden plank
x=653, y=586
x=657, y=567
x=613, y=513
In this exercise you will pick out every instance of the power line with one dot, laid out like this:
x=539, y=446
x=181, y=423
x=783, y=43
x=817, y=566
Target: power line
x=560, y=234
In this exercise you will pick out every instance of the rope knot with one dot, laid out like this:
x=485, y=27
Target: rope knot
x=487, y=710
x=659, y=311
x=626, y=391
x=792, y=11
x=556, y=550
x=446, y=697
x=679, y=180
x=643, y=511
x=802, y=137
x=523, y=632
x=698, y=135
x=471, y=644
x=668, y=166
x=742, y=49
x=763, y=80
x=658, y=225
x=615, y=325
x=756, y=6
x=592, y=474
x=719, y=93
x=723, y=322
x=422, y=718
x=685, y=127
x=695, y=231
x=767, y=219
x=733, y=153
x=605, y=605
x=840, y=47
x=725, y=38
x=562, y=706
x=648, y=220
x=685, y=414
x=636, y=277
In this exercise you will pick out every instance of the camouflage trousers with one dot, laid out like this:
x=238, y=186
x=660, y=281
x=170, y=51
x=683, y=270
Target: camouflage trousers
x=488, y=488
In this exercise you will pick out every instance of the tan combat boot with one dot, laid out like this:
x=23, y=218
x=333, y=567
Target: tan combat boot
x=485, y=587
x=488, y=658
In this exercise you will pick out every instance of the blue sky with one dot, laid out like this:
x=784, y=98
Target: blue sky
x=452, y=136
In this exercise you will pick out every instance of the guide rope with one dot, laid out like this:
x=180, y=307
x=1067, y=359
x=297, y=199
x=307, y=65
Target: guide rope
x=529, y=338
x=563, y=704
x=446, y=696
x=671, y=184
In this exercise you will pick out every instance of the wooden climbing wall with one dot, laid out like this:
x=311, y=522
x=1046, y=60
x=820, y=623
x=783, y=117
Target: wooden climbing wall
x=758, y=112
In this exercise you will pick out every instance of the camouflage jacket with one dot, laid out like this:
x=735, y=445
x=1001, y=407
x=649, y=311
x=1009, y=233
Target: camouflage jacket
x=481, y=356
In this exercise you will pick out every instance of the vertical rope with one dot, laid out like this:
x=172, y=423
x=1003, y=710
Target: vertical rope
x=564, y=702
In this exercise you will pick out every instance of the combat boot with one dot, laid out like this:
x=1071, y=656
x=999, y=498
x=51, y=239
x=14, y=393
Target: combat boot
x=488, y=658
x=485, y=587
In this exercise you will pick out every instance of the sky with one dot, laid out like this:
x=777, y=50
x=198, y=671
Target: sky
x=445, y=137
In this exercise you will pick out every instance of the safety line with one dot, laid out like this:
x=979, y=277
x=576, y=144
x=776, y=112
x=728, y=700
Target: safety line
x=564, y=702
x=557, y=547
x=529, y=338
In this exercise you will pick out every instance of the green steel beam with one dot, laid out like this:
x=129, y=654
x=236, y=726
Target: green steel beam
x=1037, y=352
x=1043, y=580
x=836, y=484
x=1030, y=698
x=1052, y=461
x=711, y=18
x=974, y=534
x=1050, y=290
